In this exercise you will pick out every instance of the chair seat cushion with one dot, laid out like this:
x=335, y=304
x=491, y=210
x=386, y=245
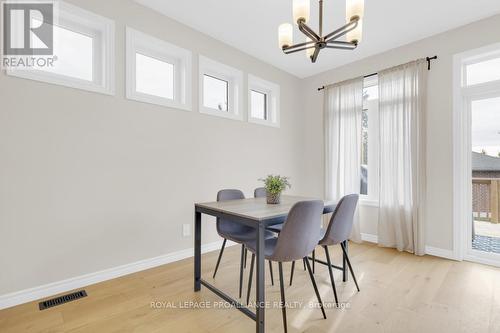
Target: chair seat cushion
x=244, y=235
x=269, y=246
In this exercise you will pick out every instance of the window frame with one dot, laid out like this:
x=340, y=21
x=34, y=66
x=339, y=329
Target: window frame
x=490, y=53
x=152, y=47
x=232, y=76
x=272, y=92
x=372, y=196
x=102, y=29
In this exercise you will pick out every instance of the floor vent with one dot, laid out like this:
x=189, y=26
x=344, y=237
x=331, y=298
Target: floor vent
x=62, y=299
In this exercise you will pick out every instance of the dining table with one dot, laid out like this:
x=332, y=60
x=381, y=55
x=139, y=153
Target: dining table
x=256, y=213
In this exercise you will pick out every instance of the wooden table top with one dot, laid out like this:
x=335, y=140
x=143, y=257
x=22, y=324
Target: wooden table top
x=257, y=208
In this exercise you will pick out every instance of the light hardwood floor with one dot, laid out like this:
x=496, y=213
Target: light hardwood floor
x=399, y=293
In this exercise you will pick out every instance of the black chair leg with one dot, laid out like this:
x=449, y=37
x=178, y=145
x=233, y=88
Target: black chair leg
x=344, y=268
x=220, y=256
x=243, y=251
x=291, y=273
x=311, y=275
x=282, y=291
x=331, y=274
x=246, y=255
x=314, y=259
x=304, y=265
x=271, y=272
x=349, y=265
x=250, y=277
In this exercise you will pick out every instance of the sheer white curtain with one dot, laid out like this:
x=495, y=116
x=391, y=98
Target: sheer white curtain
x=343, y=106
x=402, y=156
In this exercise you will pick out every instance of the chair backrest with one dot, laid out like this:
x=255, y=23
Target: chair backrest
x=340, y=225
x=259, y=192
x=230, y=194
x=225, y=227
x=301, y=231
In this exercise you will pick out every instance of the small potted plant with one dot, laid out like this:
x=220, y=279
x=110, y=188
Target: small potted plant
x=274, y=186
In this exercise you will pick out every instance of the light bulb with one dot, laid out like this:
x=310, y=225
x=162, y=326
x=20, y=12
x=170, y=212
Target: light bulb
x=354, y=8
x=301, y=10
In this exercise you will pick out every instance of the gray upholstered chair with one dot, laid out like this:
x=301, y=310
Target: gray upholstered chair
x=298, y=237
x=235, y=232
x=338, y=231
x=260, y=192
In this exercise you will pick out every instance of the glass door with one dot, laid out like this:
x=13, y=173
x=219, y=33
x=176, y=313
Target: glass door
x=484, y=236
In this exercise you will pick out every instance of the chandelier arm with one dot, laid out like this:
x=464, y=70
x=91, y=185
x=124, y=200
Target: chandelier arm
x=297, y=50
x=315, y=54
x=304, y=28
x=341, y=44
x=342, y=30
x=311, y=43
x=340, y=47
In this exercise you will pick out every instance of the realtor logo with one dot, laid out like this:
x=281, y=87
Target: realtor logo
x=28, y=34
x=28, y=28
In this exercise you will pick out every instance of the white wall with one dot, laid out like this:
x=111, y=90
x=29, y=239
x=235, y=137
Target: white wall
x=439, y=232
x=90, y=182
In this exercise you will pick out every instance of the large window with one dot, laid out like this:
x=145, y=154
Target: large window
x=369, y=141
x=83, y=49
x=263, y=101
x=220, y=89
x=157, y=72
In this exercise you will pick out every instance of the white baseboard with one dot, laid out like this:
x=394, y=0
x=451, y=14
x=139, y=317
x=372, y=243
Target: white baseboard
x=438, y=252
x=369, y=238
x=482, y=260
x=31, y=294
x=433, y=251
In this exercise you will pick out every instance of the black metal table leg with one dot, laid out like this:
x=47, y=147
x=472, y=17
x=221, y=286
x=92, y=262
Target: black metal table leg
x=197, y=251
x=260, y=285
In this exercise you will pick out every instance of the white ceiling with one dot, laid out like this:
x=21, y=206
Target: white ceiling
x=252, y=26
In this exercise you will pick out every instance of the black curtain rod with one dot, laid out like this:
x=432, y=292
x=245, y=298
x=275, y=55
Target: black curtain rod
x=373, y=74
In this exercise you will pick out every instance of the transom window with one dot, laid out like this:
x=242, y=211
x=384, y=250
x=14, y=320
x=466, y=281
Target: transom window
x=76, y=61
x=215, y=93
x=220, y=89
x=483, y=71
x=263, y=102
x=154, y=77
x=258, y=104
x=83, y=51
x=157, y=72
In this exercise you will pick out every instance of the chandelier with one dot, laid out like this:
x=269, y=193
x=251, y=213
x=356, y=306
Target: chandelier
x=316, y=41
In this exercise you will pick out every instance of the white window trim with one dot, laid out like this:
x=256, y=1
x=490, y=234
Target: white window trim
x=234, y=77
x=80, y=20
x=372, y=198
x=272, y=91
x=139, y=42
